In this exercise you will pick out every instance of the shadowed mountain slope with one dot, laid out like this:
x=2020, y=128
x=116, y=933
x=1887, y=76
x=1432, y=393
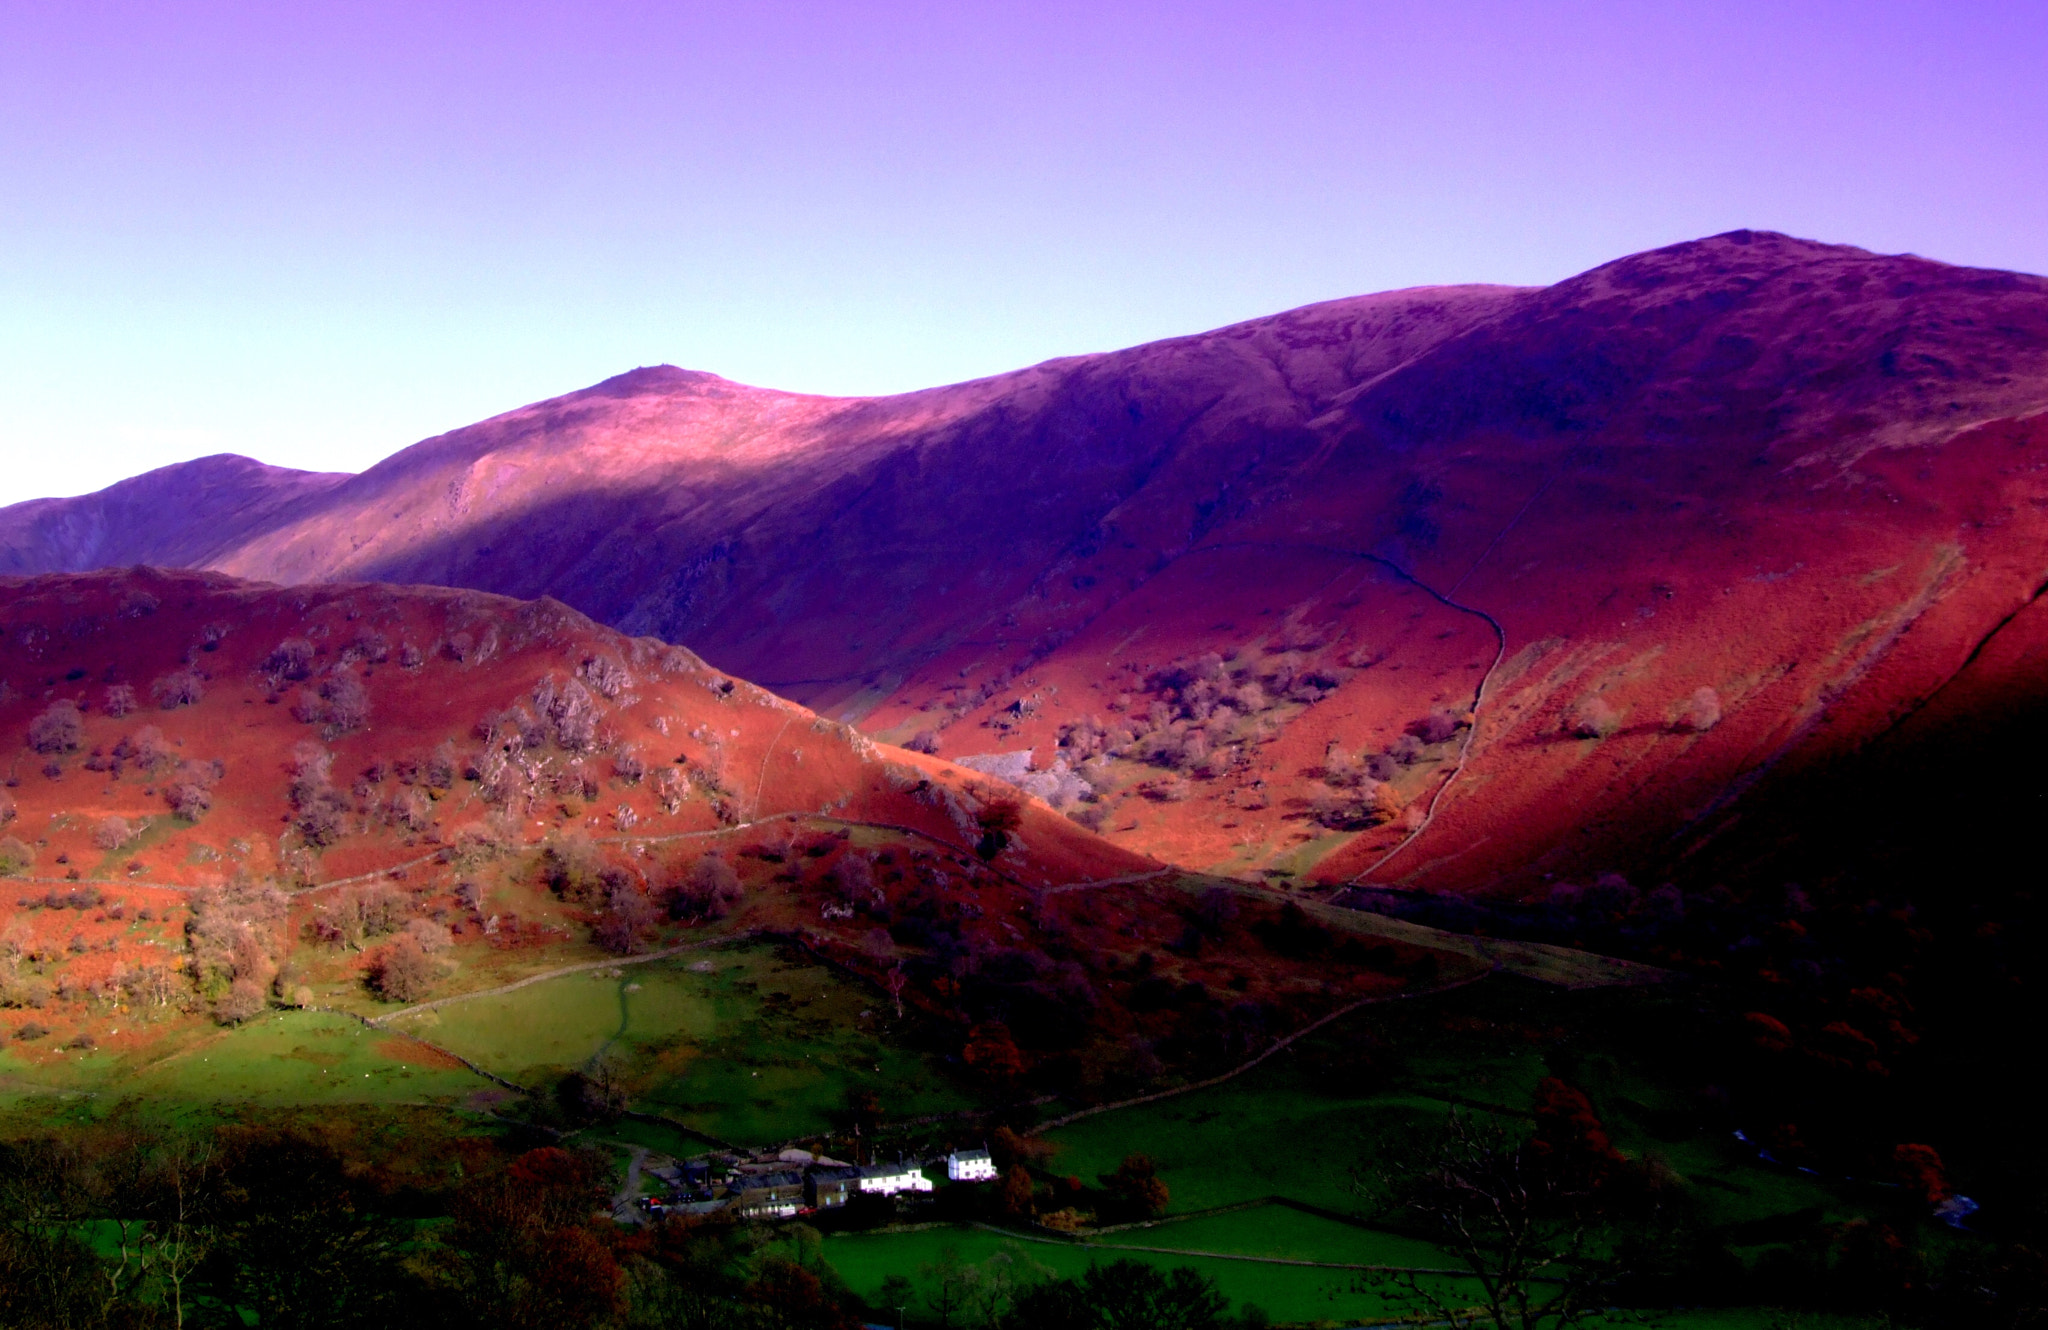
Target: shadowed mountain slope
x=1693, y=520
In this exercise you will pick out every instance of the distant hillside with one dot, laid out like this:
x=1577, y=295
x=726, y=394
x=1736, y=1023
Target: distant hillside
x=1696, y=520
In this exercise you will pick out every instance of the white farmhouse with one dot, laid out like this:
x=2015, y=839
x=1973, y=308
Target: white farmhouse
x=970, y=1166
x=889, y=1179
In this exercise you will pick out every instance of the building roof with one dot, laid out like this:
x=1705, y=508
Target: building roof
x=763, y=1181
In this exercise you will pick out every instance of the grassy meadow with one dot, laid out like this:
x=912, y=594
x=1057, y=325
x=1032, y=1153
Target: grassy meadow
x=742, y=1042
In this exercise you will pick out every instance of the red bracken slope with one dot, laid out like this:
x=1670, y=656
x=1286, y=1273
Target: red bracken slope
x=153, y=678
x=1806, y=477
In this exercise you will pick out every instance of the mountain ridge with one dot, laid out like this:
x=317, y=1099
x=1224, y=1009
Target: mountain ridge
x=1768, y=468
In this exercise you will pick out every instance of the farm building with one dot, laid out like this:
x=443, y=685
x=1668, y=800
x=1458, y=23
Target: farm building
x=829, y=1186
x=889, y=1179
x=768, y=1195
x=970, y=1166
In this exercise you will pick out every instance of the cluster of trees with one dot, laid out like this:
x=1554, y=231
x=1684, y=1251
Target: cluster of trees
x=408, y=963
x=236, y=939
x=279, y=1228
x=319, y=810
x=1355, y=789
x=59, y=730
x=1011, y=1291
x=1198, y=710
x=340, y=702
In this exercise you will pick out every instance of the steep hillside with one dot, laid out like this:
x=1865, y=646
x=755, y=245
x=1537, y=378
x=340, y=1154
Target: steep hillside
x=222, y=796
x=434, y=715
x=1685, y=523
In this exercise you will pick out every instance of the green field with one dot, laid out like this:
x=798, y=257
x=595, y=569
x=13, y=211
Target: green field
x=1286, y=1292
x=1269, y=1133
x=1285, y=1233
x=283, y=1059
x=741, y=1043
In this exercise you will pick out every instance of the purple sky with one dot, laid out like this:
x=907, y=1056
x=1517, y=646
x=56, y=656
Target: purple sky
x=315, y=238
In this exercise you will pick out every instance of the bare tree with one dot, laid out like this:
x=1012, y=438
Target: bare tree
x=1538, y=1240
x=178, y=1189
x=112, y=833
x=290, y=661
x=181, y=688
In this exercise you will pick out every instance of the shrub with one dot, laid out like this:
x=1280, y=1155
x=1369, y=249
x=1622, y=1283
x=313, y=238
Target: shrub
x=189, y=794
x=853, y=878
x=317, y=806
x=428, y=936
x=57, y=729
x=1439, y=726
x=924, y=741
x=404, y=973
x=1135, y=1188
x=571, y=866
x=112, y=833
x=627, y=916
x=410, y=809
x=708, y=891
x=15, y=856
x=438, y=771
x=369, y=645
x=1341, y=769
x=8, y=812
x=1595, y=719
x=119, y=700
x=629, y=766
x=346, y=705
x=1363, y=805
x=289, y=661
x=146, y=748
x=321, y=815
x=243, y=1000
x=998, y=821
x=1702, y=711
x=182, y=688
